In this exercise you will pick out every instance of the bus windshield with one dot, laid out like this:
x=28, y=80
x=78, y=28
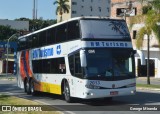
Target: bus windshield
x=104, y=29
x=109, y=63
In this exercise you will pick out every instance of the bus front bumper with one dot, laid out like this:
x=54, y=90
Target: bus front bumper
x=99, y=93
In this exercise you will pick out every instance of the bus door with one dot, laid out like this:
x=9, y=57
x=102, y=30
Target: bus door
x=76, y=72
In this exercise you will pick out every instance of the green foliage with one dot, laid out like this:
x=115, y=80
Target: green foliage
x=156, y=5
x=140, y=35
x=150, y=20
x=145, y=9
x=62, y=7
x=6, y=32
x=156, y=30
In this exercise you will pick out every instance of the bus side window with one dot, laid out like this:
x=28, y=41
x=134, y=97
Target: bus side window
x=29, y=42
x=51, y=36
x=22, y=44
x=58, y=66
x=71, y=64
x=42, y=38
x=37, y=66
x=78, y=69
x=73, y=30
x=74, y=65
x=35, y=41
x=46, y=66
x=61, y=33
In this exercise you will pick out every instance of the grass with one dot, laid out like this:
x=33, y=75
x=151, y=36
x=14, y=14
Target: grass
x=148, y=86
x=12, y=100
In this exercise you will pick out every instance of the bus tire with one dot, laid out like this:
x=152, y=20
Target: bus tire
x=33, y=91
x=28, y=87
x=25, y=86
x=67, y=96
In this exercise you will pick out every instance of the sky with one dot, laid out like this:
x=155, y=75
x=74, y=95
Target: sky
x=14, y=9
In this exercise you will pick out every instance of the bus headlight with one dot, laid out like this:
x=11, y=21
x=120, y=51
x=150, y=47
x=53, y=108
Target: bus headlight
x=92, y=87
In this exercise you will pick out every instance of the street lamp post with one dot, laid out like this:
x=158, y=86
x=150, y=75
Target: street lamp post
x=14, y=35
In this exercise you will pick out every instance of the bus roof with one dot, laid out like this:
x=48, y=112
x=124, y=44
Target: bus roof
x=69, y=20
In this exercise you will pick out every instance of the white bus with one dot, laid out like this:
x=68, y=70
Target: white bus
x=83, y=57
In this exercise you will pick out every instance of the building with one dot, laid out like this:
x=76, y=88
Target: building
x=19, y=25
x=80, y=8
x=132, y=8
x=118, y=8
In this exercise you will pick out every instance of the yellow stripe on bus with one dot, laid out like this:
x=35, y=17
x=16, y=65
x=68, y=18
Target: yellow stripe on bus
x=51, y=88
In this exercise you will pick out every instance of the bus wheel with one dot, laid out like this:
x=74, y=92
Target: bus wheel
x=67, y=92
x=33, y=92
x=28, y=87
x=25, y=86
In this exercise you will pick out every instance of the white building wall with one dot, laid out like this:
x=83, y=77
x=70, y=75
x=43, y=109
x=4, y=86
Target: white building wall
x=1, y=66
x=154, y=55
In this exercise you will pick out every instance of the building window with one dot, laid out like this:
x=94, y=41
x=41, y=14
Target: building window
x=108, y=9
x=82, y=6
x=91, y=0
x=134, y=34
x=74, y=12
x=91, y=8
x=100, y=9
x=133, y=12
x=120, y=12
x=82, y=0
x=74, y=3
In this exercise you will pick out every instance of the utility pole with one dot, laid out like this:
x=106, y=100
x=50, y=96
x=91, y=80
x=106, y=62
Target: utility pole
x=34, y=9
x=35, y=4
x=14, y=35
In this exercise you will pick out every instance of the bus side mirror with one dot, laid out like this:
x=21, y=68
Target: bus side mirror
x=83, y=58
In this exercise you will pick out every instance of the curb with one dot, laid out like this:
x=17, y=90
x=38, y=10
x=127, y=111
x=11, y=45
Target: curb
x=151, y=89
x=9, y=79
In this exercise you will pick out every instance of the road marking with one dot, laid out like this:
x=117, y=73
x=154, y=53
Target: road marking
x=55, y=107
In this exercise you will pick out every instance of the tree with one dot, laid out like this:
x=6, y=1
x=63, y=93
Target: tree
x=151, y=18
x=62, y=7
x=6, y=32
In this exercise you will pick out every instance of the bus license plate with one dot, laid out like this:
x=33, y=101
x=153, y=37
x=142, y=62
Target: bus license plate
x=114, y=93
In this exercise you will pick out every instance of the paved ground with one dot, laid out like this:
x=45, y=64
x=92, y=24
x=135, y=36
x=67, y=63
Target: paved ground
x=120, y=104
x=153, y=81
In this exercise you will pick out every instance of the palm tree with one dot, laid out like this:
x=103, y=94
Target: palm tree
x=151, y=18
x=62, y=7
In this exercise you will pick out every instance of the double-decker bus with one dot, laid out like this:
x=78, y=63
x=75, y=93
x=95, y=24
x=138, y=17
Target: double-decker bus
x=82, y=57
